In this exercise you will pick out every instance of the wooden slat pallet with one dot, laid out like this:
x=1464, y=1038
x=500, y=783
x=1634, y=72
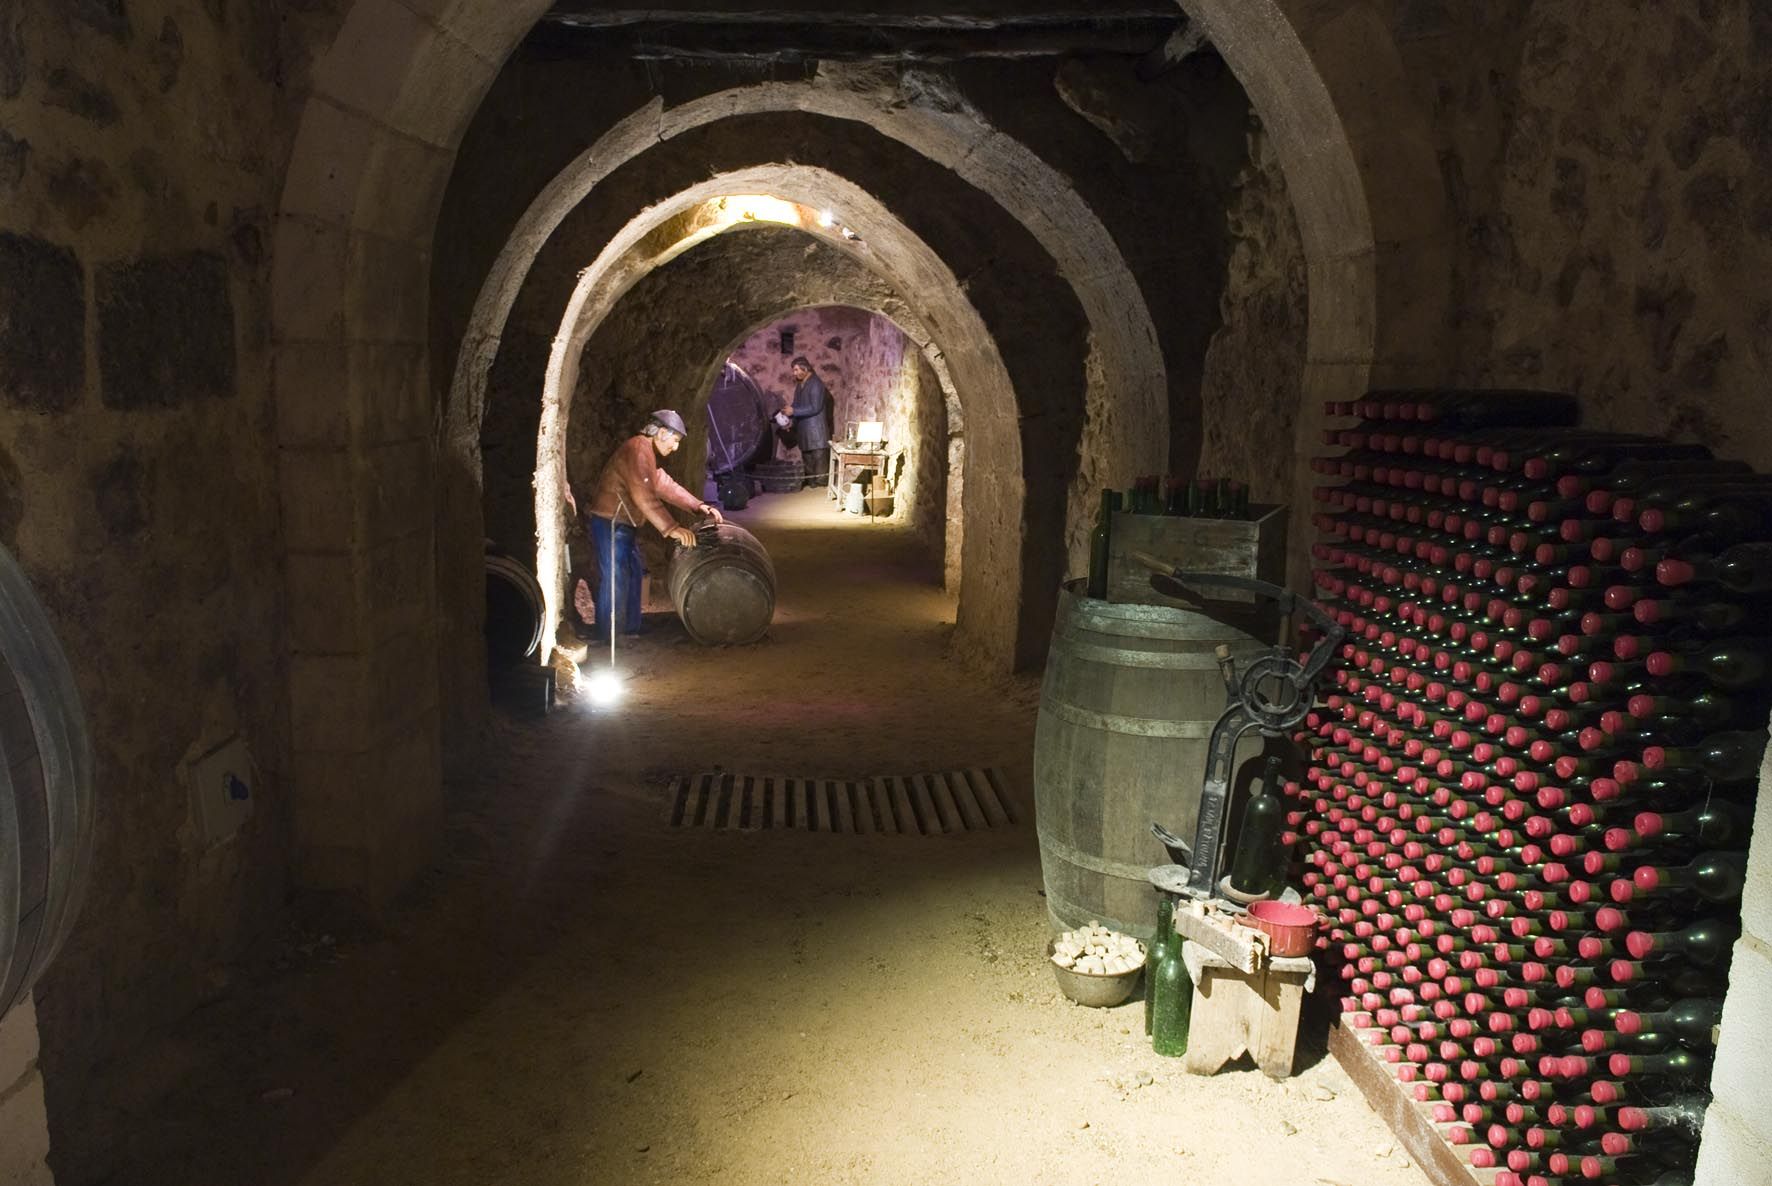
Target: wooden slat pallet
x=974, y=800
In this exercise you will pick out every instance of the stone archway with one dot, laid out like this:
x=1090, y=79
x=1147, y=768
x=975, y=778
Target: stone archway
x=1365, y=187
x=1124, y=387
x=359, y=437
x=990, y=568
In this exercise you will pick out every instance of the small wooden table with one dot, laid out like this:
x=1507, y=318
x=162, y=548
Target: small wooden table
x=1236, y=1011
x=847, y=460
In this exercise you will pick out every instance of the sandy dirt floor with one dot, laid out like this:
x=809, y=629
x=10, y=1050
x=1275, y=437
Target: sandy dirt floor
x=581, y=994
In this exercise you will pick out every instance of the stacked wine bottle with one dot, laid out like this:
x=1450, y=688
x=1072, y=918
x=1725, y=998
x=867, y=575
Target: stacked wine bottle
x=1530, y=787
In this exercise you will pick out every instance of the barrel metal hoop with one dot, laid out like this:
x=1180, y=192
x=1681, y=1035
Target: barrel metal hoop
x=1110, y=722
x=1148, y=621
x=1127, y=657
x=1091, y=862
x=1203, y=631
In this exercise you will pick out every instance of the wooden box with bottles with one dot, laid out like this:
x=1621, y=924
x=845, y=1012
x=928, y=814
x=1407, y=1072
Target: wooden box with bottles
x=1253, y=547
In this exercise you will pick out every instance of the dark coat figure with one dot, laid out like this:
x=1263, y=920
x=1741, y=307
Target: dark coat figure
x=811, y=428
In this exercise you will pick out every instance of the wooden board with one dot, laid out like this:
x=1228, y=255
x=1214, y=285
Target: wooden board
x=901, y=807
x=1240, y=947
x=1254, y=547
x=961, y=790
x=838, y=794
x=1438, y=1159
x=994, y=810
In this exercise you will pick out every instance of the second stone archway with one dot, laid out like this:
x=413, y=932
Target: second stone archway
x=937, y=313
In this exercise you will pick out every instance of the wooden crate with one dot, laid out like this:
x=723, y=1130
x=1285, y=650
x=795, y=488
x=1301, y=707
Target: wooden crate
x=1253, y=547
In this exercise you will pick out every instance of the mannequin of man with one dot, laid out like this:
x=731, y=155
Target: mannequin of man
x=631, y=489
x=811, y=422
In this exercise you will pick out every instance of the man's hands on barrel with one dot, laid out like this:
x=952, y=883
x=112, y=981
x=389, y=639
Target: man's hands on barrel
x=681, y=536
x=712, y=512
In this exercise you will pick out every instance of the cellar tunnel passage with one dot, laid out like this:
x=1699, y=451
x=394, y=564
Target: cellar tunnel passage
x=663, y=344
x=1000, y=603
x=1072, y=325
x=874, y=372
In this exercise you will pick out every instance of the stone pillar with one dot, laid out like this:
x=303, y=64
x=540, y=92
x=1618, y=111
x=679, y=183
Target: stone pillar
x=357, y=443
x=24, y=1125
x=1737, y=1144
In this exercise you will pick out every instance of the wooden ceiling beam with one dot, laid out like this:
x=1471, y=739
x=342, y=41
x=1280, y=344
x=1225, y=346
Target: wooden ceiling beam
x=775, y=37
x=591, y=14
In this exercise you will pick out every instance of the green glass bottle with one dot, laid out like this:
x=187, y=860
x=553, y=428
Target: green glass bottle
x=1259, y=865
x=1238, y=499
x=1099, y=539
x=1153, y=954
x=1173, y=1003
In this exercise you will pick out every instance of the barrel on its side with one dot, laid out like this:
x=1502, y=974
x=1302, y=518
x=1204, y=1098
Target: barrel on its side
x=45, y=790
x=513, y=610
x=1126, y=711
x=724, y=587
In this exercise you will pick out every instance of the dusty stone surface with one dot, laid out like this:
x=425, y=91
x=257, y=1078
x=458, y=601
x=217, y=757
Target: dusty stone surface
x=825, y=1009
x=166, y=331
x=146, y=519
x=1608, y=169
x=1254, y=368
x=42, y=324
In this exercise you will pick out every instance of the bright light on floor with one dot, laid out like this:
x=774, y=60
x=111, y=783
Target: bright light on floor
x=603, y=685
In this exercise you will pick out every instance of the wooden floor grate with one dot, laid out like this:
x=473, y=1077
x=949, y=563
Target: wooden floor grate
x=915, y=804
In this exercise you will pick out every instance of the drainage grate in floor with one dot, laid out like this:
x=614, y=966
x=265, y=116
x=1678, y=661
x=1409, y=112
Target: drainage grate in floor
x=915, y=804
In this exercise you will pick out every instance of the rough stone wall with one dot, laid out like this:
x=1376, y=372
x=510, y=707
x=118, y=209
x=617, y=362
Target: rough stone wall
x=140, y=160
x=837, y=341
x=1157, y=160
x=1610, y=168
x=1255, y=365
x=874, y=373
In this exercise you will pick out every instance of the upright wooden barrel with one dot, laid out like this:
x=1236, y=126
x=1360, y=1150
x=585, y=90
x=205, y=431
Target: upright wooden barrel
x=45, y=790
x=724, y=587
x=1128, y=704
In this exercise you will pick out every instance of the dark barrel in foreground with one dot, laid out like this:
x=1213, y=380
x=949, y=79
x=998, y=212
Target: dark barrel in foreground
x=1126, y=710
x=513, y=610
x=46, y=803
x=724, y=587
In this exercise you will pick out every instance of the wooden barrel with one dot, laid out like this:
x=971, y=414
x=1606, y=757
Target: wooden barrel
x=513, y=610
x=724, y=587
x=1126, y=710
x=45, y=790
x=778, y=477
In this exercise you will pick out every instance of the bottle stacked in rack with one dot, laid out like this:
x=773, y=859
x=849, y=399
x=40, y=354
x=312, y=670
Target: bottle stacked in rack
x=1531, y=783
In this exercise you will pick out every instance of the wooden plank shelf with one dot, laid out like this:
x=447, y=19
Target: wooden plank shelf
x=1444, y=1163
